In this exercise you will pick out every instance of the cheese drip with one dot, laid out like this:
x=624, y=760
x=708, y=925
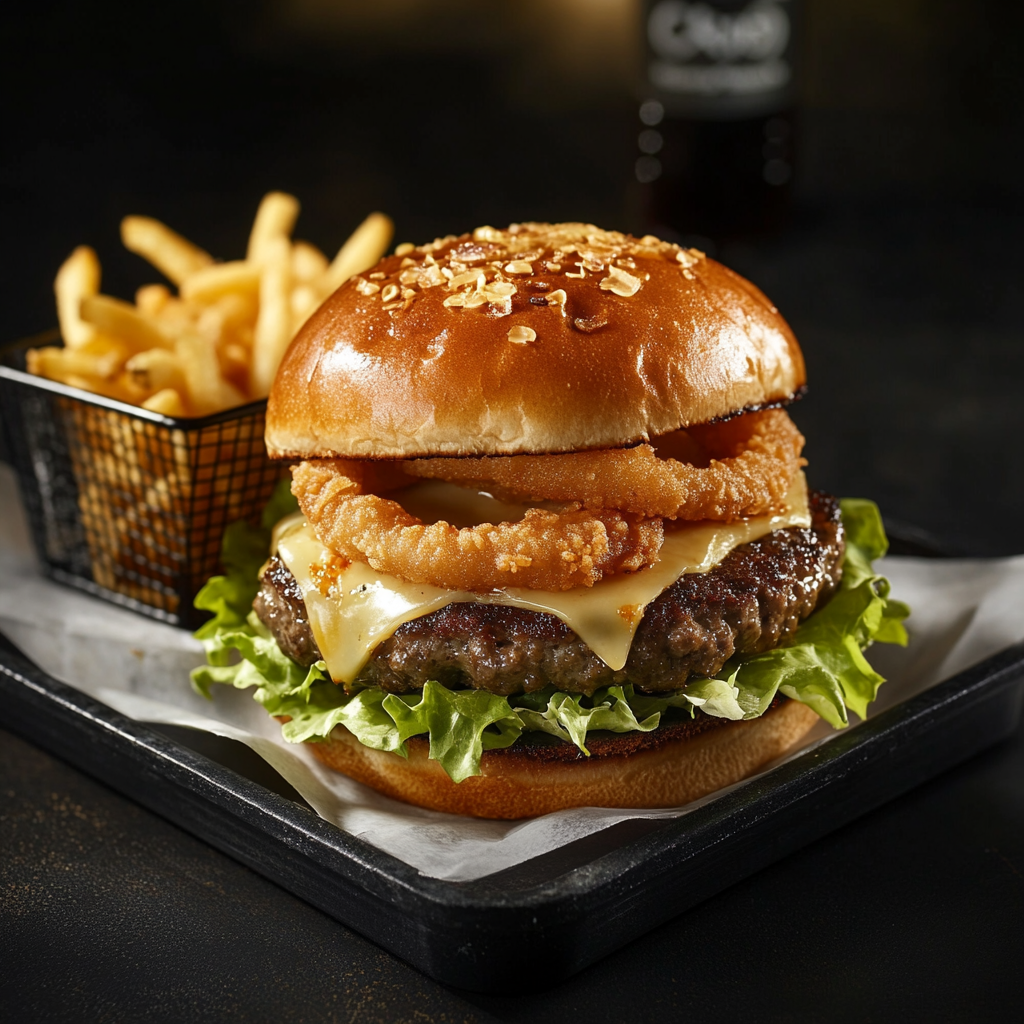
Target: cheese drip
x=363, y=607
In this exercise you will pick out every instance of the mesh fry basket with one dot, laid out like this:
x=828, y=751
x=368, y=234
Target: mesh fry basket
x=124, y=503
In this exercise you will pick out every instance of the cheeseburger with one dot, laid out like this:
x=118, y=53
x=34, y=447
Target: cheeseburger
x=554, y=546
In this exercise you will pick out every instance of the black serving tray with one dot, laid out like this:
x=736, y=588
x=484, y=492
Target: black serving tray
x=569, y=907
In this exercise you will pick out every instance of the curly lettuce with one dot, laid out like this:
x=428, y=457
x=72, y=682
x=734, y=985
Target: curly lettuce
x=822, y=665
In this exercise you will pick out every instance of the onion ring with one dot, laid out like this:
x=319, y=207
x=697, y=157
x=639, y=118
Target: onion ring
x=545, y=550
x=753, y=459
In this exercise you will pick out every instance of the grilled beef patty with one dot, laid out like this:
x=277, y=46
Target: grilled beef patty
x=750, y=602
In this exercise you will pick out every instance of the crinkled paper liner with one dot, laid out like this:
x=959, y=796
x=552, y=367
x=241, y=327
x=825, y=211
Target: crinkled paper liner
x=963, y=611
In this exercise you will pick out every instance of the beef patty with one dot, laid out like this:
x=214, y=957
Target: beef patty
x=750, y=602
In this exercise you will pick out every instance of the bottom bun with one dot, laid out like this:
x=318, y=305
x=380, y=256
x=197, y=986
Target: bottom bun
x=521, y=782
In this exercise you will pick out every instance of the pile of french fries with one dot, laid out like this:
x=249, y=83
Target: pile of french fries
x=154, y=498
x=218, y=342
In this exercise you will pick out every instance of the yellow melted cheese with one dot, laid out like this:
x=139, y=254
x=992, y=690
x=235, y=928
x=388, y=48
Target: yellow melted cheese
x=365, y=607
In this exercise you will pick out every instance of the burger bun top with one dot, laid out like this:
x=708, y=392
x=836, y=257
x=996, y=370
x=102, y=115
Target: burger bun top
x=540, y=338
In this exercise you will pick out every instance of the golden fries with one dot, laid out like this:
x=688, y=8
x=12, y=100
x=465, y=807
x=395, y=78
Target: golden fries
x=157, y=370
x=100, y=357
x=364, y=247
x=308, y=263
x=168, y=401
x=152, y=298
x=172, y=255
x=122, y=320
x=214, y=282
x=208, y=390
x=274, y=326
x=274, y=219
x=218, y=342
x=77, y=279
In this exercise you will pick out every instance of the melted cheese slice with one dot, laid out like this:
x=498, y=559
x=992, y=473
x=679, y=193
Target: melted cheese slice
x=365, y=607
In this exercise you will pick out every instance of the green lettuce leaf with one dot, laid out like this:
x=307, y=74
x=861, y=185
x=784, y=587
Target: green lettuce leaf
x=457, y=723
x=822, y=666
x=243, y=551
x=571, y=716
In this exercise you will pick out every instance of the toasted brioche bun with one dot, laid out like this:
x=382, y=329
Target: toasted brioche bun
x=666, y=771
x=400, y=364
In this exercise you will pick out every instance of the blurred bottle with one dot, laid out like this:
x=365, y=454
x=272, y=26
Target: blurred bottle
x=715, y=137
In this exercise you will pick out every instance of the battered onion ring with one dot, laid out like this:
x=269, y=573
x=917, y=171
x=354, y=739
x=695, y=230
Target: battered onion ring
x=543, y=551
x=753, y=459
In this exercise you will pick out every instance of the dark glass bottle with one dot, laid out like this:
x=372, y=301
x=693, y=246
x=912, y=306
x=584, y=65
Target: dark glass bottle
x=716, y=126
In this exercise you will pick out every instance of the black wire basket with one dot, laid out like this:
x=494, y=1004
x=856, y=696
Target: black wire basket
x=124, y=503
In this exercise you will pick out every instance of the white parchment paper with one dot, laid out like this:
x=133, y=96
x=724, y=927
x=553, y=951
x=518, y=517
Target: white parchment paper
x=963, y=611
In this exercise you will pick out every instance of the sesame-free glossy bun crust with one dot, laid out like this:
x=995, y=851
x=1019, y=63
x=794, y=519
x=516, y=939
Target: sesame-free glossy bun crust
x=541, y=338
x=630, y=770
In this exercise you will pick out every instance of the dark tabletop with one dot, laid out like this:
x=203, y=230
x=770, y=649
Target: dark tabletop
x=901, y=271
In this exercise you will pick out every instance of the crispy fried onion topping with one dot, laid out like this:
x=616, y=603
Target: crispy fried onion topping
x=545, y=550
x=742, y=467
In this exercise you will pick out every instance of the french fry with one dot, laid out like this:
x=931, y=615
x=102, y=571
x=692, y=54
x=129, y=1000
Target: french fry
x=275, y=219
x=214, y=282
x=231, y=319
x=101, y=358
x=108, y=355
x=238, y=310
x=77, y=279
x=98, y=386
x=234, y=364
x=274, y=325
x=133, y=393
x=151, y=298
x=305, y=298
x=55, y=363
x=210, y=324
x=176, y=316
x=308, y=262
x=364, y=247
x=207, y=389
x=166, y=401
x=175, y=257
x=157, y=370
x=123, y=321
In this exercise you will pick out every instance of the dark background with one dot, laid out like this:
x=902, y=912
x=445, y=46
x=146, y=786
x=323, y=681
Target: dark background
x=900, y=269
